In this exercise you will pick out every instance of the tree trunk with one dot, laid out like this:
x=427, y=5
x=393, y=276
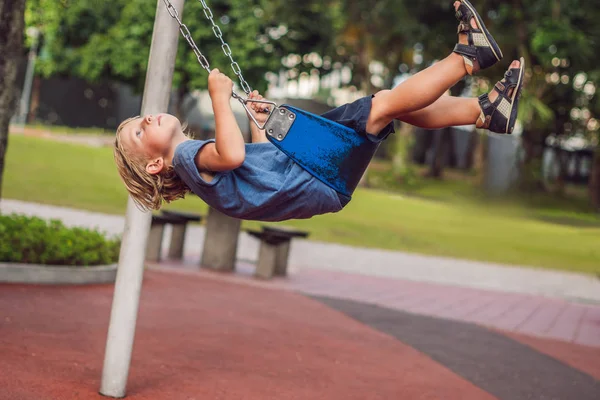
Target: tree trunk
x=11, y=43
x=563, y=164
x=530, y=172
x=35, y=99
x=595, y=181
x=473, y=160
x=442, y=146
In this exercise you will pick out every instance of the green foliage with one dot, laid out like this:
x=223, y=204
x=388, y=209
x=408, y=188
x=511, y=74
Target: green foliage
x=111, y=40
x=559, y=40
x=32, y=240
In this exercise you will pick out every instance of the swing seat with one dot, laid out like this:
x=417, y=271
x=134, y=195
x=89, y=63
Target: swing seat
x=333, y=153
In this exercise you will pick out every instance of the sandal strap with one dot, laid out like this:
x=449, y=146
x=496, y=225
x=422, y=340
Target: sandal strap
x=463, y=13
x=510, y=81
x=464, y=27
x=500, y=87
x=465, y=50
x=487, y=110
x=485, y=103
x=511, y=77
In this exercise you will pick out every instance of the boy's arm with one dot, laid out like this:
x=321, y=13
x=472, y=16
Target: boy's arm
x=228, y=151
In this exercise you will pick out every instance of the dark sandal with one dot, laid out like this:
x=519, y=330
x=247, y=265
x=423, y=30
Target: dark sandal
x=501, y=115
x=482, y=47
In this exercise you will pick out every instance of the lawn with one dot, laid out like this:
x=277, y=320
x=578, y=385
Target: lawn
x=45, y=171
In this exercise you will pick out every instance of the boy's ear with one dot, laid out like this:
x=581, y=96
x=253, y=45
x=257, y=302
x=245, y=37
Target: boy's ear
x=155, y=166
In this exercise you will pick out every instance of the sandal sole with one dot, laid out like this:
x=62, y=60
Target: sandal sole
x=516, y=93
x=488, y=36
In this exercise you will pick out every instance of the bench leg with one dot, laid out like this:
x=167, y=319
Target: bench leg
x=177, y=241
x=220, y=244
x=153, y=248
x=267, y=259
x=281, y=263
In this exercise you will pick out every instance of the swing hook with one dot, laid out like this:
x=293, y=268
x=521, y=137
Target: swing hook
x=265, y=110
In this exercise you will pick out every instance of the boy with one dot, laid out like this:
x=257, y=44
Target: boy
x=256, y=181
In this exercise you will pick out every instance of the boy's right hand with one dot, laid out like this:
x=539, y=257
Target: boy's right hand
x=220, y=87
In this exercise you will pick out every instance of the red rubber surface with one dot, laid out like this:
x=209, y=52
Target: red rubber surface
x=208, y=339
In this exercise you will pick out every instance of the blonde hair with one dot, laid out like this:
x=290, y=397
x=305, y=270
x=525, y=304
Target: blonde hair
x=147, y=190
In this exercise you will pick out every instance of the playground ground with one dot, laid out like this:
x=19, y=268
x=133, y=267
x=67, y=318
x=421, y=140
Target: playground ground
x=317, y=334
x=207, y=336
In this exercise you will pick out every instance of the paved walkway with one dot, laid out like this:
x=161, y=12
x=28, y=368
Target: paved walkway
x=311, y=255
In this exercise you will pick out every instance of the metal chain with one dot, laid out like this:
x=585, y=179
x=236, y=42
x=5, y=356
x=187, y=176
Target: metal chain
x=225, y=47
x=217, y=31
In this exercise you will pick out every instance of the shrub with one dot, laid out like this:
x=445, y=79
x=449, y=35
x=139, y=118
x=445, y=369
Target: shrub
x=32, y=240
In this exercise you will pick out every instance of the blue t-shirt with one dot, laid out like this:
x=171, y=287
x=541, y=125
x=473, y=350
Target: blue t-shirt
x=268, y=186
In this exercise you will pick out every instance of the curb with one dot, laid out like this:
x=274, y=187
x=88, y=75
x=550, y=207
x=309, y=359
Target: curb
x=57, y=275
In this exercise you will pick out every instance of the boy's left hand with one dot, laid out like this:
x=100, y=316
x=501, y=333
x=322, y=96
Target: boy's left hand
x=257, y=108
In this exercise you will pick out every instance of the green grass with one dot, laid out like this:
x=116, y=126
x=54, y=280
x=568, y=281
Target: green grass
x=427, y=222
x=67, y=130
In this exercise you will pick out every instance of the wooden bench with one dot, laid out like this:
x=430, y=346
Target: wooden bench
x=178, y=220
x=274, y=251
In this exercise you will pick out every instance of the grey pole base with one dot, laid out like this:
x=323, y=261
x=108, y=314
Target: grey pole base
x=267, y=260
x=154, y=246
x=177, y=241
x=220, y=244
x=281, y=260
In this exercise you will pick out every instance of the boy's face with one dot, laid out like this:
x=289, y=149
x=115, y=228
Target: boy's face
x=152, y=136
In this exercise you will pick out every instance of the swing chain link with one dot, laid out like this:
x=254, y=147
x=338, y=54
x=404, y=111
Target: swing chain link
x=218, y=34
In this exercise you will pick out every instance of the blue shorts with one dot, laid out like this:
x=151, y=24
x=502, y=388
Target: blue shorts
x=355, y=115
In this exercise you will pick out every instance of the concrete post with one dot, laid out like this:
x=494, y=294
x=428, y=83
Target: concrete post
x=220, y=244
x=128, y=284
x=267, y=258
x=177, y=241
x=154, y=243
x=281, y=261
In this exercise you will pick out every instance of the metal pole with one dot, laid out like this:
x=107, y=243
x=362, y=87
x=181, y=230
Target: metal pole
x=130, y=272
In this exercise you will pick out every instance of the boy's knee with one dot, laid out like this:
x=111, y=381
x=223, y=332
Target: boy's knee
x=380, y=109
x=380, y=104
x=380, y=115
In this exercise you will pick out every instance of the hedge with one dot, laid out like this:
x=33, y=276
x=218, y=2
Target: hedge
x=32, y=240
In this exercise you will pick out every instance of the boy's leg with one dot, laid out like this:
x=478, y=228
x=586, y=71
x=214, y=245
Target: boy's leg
x=444, y=112
x=416, y=93
x=450, y=111
x=424, y=88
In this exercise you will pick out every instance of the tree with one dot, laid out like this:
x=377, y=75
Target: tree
x=11, y=38
x=111, y=40
x=594, y=126
x=559, y=41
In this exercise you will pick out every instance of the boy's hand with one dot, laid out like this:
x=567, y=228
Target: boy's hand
x=220, y=87
x=257, y=108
